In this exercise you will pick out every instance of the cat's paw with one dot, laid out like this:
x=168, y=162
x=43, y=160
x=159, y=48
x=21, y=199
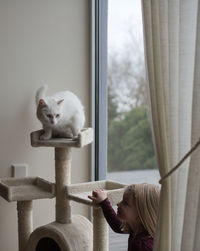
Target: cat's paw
x=66, y=135
x=45, y=137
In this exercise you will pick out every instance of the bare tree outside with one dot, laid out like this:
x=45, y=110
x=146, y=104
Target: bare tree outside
x=130, y=145
x=126, y=75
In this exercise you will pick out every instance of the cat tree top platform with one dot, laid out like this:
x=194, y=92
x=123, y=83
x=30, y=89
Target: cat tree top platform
x=85, y=137
x=28, y=188
x=80, y=192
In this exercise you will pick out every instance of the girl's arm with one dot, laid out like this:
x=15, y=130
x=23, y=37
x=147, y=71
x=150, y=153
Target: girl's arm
x=111, y=217
x=100, y=197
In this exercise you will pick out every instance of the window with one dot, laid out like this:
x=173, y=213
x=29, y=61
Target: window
x=131, y=155
x=124, y=147
x=120, y=116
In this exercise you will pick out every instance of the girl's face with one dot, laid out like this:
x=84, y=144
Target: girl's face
x=127, y=210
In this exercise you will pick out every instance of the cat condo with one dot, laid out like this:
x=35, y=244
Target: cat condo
x=68, y=232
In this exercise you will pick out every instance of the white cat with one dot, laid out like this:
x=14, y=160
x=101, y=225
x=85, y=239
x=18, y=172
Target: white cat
x=62, y=114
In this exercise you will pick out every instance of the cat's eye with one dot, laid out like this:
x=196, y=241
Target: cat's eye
x=49, y=116
x=57, y=115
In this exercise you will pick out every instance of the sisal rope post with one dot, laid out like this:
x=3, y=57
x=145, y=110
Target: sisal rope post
x=100, y=231
x=25, y=223
x=63, y=158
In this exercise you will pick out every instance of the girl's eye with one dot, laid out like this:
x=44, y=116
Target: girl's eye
x=57, y=115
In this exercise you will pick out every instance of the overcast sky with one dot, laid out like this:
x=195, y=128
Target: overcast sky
x=123, y=15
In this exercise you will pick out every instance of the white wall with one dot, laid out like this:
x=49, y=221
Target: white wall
x=40, y=41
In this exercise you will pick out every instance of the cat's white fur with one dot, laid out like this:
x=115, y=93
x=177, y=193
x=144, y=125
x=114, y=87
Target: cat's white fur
x=62, y=114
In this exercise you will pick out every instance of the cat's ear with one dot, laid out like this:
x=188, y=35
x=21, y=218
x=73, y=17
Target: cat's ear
x=60, y=101
x=42, y=102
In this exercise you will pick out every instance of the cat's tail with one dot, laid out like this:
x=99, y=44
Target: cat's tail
x=40, y=93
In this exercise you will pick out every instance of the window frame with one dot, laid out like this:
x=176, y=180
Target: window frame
x=99, y=10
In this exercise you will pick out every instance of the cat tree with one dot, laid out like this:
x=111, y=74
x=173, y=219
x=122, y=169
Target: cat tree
x=68, y=232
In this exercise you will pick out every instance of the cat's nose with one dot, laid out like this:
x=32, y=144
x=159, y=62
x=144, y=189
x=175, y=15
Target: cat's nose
x=52, y=122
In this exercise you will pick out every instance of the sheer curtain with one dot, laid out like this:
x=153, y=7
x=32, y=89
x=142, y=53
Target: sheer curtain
x=171, y=33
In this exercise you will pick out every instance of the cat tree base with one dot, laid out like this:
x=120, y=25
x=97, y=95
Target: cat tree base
x=74, y=236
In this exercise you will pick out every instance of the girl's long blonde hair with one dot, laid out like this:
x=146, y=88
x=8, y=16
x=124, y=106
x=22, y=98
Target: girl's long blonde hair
x=146, y=197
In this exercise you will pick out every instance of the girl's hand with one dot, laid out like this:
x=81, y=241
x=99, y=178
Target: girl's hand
x=98, y=196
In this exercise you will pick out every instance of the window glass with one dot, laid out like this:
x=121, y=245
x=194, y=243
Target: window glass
x=130, y=156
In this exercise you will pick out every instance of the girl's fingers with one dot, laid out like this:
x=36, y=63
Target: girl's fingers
x=96, y=194
x=91, y=197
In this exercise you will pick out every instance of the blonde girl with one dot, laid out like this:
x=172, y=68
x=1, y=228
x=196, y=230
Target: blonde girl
x=136, y=214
